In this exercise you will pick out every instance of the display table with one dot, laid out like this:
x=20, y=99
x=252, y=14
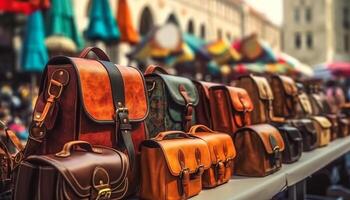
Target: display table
x=247, y=188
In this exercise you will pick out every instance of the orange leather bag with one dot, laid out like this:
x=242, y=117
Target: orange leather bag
x=259, y=150
x=172, y=166
x=222, y=154
x=231, y=108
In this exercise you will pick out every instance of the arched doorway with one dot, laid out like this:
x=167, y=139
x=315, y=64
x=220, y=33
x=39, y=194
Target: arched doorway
x=146, y=21
x=190, y=27
x=173, y=19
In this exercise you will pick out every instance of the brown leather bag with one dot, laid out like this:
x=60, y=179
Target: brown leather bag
x=261, y=94
x=203, y=112
x=230, y=108
x=87, y=172
x=91, y=100
x=172, y=166
x=323, y=129
x=222, y=154
x=259, y=150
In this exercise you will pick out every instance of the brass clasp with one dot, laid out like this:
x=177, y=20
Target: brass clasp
x=104, y=194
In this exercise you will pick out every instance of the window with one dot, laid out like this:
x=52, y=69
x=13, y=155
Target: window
x=172, y=19
x=346, y=43
x=228, y=36
x=296, y=14
x=219, y=34
x=297, y=40
x=146, y=22
x=202, y=31
x=308, y=15
x=190, y=27
x=309, y=40
x=346, y=18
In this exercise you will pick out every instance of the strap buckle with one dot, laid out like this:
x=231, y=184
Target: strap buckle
x=57, y=84
x=104, y=194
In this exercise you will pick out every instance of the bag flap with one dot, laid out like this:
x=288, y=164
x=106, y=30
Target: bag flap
x=220, y=145
x=263, y=87
x=174, y=82
x=268, y=134
x=96, y=93
x=289, y=85
x=205, y=86
x=240, y=99
x=305, y=103
x=292, y=132
x=84, y=171
x=322, y=121
x=193, y=152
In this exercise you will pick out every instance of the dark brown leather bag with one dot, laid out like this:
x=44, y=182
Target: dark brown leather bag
x=87, y=172
x=203, y=112
x=230, y=108
x=222, y=154
x=308, y=133
x=92, y=100
x=259, y=150
x=172, y=166
x=293, y=143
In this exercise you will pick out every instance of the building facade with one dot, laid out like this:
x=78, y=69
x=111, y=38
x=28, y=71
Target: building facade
x=317, y=31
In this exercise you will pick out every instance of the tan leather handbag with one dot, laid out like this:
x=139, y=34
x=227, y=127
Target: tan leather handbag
x=230, y=107
x=172, y=166
x=259, y=150
x=323, y=129
x=222, y=153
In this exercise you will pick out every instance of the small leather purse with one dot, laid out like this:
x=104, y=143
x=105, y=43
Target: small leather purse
x=308, y=133
x=79, y=171
x=172, y=166
x=323, y=129
x=259, y=150
x=293, y=143
x=222, y=154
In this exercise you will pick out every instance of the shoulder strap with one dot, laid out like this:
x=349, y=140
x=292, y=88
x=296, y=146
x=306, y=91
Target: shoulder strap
x=98, y=52
x=153, y=68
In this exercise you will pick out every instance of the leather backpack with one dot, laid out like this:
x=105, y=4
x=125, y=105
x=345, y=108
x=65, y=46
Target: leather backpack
x=285, y=94
x=231, y=108
x=172, y=101
x=172, y=166
x=323, y=128
x=92, y=100
x=222, y=154
x=259, y=150
x=78, y=171
x=293, y=142
x=203, y=112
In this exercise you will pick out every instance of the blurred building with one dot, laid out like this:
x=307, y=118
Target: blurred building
x=317, y=31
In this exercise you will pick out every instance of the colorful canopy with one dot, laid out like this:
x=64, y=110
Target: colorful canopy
x=26, y=7
x=196, y=44
x=102, y=25
x=34, y=53
x=61, y=21
x=222, y=52
x=124, y=20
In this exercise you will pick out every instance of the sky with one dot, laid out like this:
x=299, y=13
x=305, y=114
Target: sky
x=273, y=9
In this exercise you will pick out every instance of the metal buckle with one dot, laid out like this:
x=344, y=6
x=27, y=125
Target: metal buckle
x=182, y=172
x=189, y=105
x=104, y=194
x=58, y=84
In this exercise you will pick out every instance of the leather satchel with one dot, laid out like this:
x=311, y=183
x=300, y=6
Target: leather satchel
x=323, y=129
x=78, y=171
x=203, y=111
x=92, y=100
x=259, y=150
x=222, y=154
x=172, y=101
x=308, y=133
x=172, y=166
x=293, y=142
x=285, y=96
x=231, y=108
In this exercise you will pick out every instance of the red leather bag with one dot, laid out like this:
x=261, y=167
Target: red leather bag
x=92, y=100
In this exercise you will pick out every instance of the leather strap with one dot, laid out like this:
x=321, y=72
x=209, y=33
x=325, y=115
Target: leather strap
x=187, y=118
x=123, y=126
x=165, y=134
x=101, y=55
x=153, y=68
x=196, y=128
x=271, y=115
x=11, y=136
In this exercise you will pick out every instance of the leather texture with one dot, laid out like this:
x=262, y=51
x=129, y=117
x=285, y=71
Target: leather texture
x=79, y=171
x=293, y=142
x=285, y=94
x=222, y=154
x=308, y=132
x=323, y=128
x=230, y=108
x=172, y=166
x=259, y=150
x=172, y=101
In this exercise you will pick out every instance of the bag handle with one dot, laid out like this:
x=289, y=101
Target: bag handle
x=67, y=148
x=196, y=128
x=163, y=135
x=154, y=68
x=97, y=51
